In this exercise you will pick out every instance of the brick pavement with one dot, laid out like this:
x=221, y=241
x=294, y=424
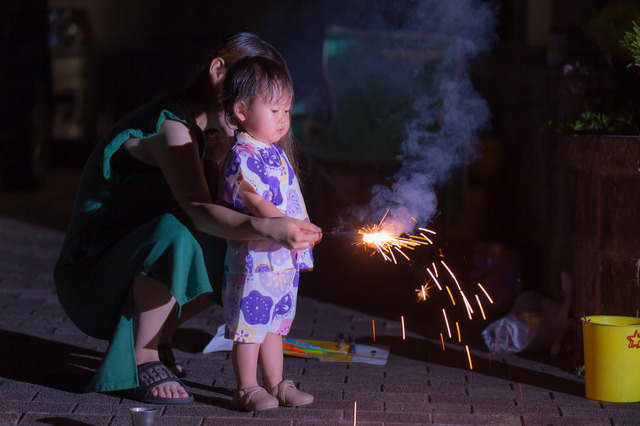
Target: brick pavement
x=46, y=361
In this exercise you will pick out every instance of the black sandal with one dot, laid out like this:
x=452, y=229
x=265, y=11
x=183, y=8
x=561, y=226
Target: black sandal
x=151, y=375
x=165, y=353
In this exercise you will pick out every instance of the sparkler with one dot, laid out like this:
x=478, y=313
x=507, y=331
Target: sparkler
x=387, y=245
x=380, y=238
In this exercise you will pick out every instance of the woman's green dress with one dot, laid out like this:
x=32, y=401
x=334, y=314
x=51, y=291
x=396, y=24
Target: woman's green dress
x=126, y=222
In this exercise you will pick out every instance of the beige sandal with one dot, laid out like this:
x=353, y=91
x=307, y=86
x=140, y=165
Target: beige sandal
x=289, y=396
x=254, y=398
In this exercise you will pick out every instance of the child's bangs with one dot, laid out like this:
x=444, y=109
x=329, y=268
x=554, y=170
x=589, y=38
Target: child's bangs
x=277, y=91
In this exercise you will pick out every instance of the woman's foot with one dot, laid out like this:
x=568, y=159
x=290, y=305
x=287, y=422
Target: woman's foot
x=289, y=396
x=254, y=398
x=158, y=385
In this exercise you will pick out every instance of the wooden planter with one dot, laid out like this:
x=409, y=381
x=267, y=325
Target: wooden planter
x=596, y=234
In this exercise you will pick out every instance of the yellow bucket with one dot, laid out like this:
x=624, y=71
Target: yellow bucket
x=612, y=358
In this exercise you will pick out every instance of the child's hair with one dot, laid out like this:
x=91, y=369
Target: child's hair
x=250, y=78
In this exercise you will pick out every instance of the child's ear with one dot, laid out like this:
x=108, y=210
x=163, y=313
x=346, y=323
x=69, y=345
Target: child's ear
x=240, y=111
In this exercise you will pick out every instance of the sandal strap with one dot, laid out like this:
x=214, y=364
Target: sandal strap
x=152, y=374
x=165, y=353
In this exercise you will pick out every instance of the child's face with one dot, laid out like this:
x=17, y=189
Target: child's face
x=268, y=120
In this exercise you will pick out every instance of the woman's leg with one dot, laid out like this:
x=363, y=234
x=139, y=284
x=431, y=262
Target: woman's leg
x=152, y=304
x=271, y=360
x=188, y=311
x=244, y=357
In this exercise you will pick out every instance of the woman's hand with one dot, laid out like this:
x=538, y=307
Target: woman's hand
x=293, y=234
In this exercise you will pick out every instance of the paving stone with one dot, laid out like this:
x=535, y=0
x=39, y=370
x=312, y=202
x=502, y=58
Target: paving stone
x=67, y=419
x=9, y=418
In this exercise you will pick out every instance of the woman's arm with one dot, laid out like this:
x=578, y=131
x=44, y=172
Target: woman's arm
x=175, y=152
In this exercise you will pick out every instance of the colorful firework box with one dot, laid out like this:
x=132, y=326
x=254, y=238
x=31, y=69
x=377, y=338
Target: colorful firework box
x=315, y=349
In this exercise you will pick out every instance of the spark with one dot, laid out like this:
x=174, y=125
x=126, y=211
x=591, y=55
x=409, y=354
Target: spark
x=373, y=324
x=423, y=292
x=355, y=406
x=447, y=321
x=435, y=270
x=467, y=304
x=458, y=328
x=451, y=273
x=435, y=280
x=480, y=305
x=402, y=319
x=485, y=293
x=450, y=295
x=521, y=398
x=442, y=340
x=469, y=356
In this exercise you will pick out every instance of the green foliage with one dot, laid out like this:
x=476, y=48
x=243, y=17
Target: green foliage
x=609, y=123
x=611, y=23
x=631, y=42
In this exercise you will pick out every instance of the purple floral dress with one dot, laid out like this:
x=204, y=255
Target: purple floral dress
x=260, y=285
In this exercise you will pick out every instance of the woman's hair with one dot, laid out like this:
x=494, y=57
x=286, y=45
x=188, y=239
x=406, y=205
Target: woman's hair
x=236, y=47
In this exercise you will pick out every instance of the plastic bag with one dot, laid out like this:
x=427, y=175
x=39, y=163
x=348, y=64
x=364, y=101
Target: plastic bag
x=511, y=334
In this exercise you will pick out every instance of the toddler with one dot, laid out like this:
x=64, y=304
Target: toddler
x=261, y=277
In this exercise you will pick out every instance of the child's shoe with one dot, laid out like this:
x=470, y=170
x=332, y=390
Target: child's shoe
x=254, y=398
x=289, y=396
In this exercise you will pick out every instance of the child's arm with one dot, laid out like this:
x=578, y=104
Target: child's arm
x=257, y=205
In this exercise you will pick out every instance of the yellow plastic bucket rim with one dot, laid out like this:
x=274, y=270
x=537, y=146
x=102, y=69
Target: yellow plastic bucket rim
x=593, y=319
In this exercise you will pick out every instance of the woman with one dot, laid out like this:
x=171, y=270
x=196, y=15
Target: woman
x=138, y=258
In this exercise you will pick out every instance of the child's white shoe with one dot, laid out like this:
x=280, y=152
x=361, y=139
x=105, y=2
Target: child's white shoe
x=289, y=396
x=254, y=398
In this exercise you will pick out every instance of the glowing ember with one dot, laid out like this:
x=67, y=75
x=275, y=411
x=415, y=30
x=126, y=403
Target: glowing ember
x=485, y=293
x=403, y=335
x=434, y=279
x=355, y=405
x=469, y=356
x=373, y=324
x=442, y=340
x=451, y=296
x=447, y=322
x=480, y=305
x=458, y=328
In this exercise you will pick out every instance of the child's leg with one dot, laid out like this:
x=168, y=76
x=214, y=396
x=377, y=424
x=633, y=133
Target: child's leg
x=248, y=395
x=271, y=359
x=244, y=357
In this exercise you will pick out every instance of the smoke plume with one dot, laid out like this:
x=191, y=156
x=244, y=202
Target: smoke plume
x=441, y=129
